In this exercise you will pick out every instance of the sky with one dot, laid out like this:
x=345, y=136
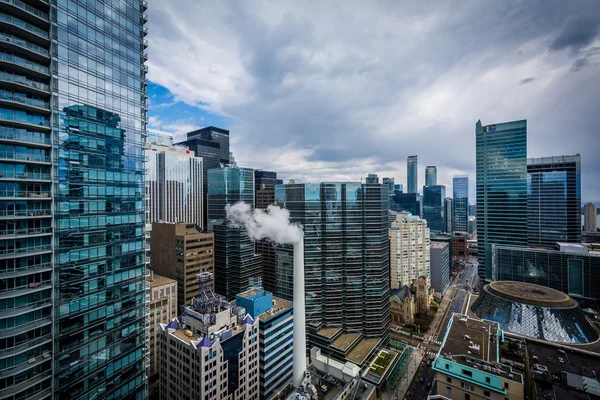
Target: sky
x=332, y=91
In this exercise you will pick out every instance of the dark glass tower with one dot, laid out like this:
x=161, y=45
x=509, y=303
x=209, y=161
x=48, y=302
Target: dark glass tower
x=501, y=188
x=430, y=175
x=72, y=262
x=346, y=253
x=411, y=174
x=460, y=204
x=237, y=266
x=553, y=200
x=409, y=202
x=212, y=144
x=433, y=207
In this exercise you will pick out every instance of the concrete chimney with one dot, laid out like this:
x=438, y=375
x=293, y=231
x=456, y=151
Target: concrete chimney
x=299, y=315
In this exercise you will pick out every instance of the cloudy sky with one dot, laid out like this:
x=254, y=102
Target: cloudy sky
x=334, y=90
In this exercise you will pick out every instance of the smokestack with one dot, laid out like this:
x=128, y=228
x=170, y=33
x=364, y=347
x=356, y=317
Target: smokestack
x=299, y=315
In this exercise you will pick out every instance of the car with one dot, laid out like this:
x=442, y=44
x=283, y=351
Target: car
x=428, y=363
x=421, y=379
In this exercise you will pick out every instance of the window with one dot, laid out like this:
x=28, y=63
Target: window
x=448, y=390
x=467, y=373
x=487, y=379
x=506, y=385
x=467, y=396
x=448, y=379
x=486, y=393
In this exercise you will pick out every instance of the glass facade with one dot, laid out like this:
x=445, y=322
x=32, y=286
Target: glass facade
x=411, y=175
x=346, y=253
x=389, y=182
x=406, y=202
x=460, y=205
x=430, y=175
x=237, y=266
x=448, y=216
x=501, y=165
x=553, y=200
x=433, y=207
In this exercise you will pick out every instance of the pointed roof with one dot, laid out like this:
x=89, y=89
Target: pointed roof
x=402, y=294
x=174, y=324
x=248, y=320
x=206, y=342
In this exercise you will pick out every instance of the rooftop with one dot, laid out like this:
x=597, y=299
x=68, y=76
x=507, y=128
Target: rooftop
x=279, y=306
x=250, y=293
x=439, y=245
x=344, y=341
x=362, y=350
x=328, y=332
x=527, y=293
x=159, y=280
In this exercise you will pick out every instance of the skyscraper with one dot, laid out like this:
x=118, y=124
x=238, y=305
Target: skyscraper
x=433, y=207
x=590, y=215
x=389, y=182
x=553, y=200
x=460, y=205
x=237, y=266
x=158, y=137
x=212, y=144
x=372, y=178
x=346, y=253
x=448, y=218
x=501, y=188
x=398, y=187
x=406, y=202
x=265, y=180
x=430, y=175
x=409, y=249
x=412, y=174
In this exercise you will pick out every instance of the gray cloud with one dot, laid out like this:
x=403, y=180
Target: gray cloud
x=336, y=90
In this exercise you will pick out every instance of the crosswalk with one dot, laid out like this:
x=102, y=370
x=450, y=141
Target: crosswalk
x=436, y=342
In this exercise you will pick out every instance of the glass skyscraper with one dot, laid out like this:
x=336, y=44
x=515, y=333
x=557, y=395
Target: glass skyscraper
x=72, y=254
x=501, y=166
x=433, y=207
x=553, y=200
x=237, y=266
x=412, y=174
x=460, y=205
x=408, y=202
x=346, y=254
x=430, y=175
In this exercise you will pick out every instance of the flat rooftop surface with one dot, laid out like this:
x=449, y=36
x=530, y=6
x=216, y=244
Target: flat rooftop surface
x=528, y=293
x=328, y=332
x=479, y=334
x=250, y=292
x=181, y=334
x=360, y=352
x=160, y=280
x=279, y=306
x=344, y=341
x=439, y=245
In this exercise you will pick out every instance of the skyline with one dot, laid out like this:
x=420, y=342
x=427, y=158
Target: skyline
x=300, y=86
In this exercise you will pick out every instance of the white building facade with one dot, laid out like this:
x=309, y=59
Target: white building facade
x=409, y=249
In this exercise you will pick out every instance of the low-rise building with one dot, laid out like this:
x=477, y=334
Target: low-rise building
x=459, y=246
x=402, y=306
x=469, y=365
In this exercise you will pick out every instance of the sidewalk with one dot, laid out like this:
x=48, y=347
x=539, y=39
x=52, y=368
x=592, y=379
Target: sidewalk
x=441, y=312
x=411, y=368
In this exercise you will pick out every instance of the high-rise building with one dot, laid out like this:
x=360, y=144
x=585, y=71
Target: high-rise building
x=212, y=144
x=159, y=137
x=162, y=308
x=211, y=351
x=448, y=217
x=460, y=204
x=412, y=174
x=433, y=207
x=553, y=200
x=181, y=251
x=501, y=188
x=372, y=178
x=430, y=175
x=406, y=202
x=390, y=184
x=275, y=338
x=398, y=187
x=237, y=266
x=409, y=249
x=173, y=185
x=346, y=254
x=590, y=214
x=440, y=266
x=472, y=210
x=265, y=179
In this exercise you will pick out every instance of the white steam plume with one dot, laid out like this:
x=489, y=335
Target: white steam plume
x=274, y=224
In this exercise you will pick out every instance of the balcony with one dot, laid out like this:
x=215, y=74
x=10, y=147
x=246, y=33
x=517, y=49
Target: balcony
x=144, y=18
x=21, y=118
x=15, y=43
x=23, y=136
x=22, y=101
x=30, y=326
x=25, y=214
x=25, y=289
x=23, y=65
x=144, y=5
x=23, y=271
x=24, y=29
x=145, y=56
x=46, y=230
x=26, y=176
x=25, y=251
x=25, y=12
x=22, y=309
x=145, y=32
x=145, y=44
x=30, y=194
x=31, y=158
x=15, y=81
x=26, y=346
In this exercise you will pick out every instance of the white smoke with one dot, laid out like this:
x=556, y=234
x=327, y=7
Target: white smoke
x=274, y=224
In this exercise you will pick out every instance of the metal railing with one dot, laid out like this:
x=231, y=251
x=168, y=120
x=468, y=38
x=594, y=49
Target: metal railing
x=32, y=194
x=27, y=7
x=26, y=231
x=24, y=156
x=25, y=213
x=22, y=80
x=21, y=98
x=24, y=43
x=39, y=176
x=29, y=249
x=32, y=285
x=23, y=135
x=25, y=25
x=24, y=62
x=26, y=269
x=12, y=115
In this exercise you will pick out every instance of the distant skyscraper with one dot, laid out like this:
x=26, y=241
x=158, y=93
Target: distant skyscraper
x=412, y=174
x=390, y=184
x=407, y=202
x=472, y=210
x=553, y=201
x=372, y=178
x=212, y=144
x=430, y=175
x=158, y=137
x=346, y=253
x=409, y=249
x=398, y=187
x=440, y=266
x=173, y=185
x=265, y=179
x=448, y=217
x=460, y=205
x=590, y=215
x=237, y=266
x=433, y=207
x=501, y=188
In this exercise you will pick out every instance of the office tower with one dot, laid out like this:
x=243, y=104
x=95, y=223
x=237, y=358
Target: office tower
x=372, y=178
x=162, y=307
x=158, y=137
x=440, y=266
x=211, y=351
x=409, y=249
x=398, y=187
x=346, y=254
x=275, y=338
x=237, y=266
x=448, y=218
x=212, y=144
x=553, y=200
x=390, y=184
x=406, y=202
x=460, y=205
x=173, y=185
x=472, y=226
x=412, y=174
x=501, y=188
x=265, y=179
x=232, y=162
x=590, y=212
x=430, y=175
x=71, y=268
x=433, y=207
x=181, y=251
x=472, y=210
x=459, y=246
